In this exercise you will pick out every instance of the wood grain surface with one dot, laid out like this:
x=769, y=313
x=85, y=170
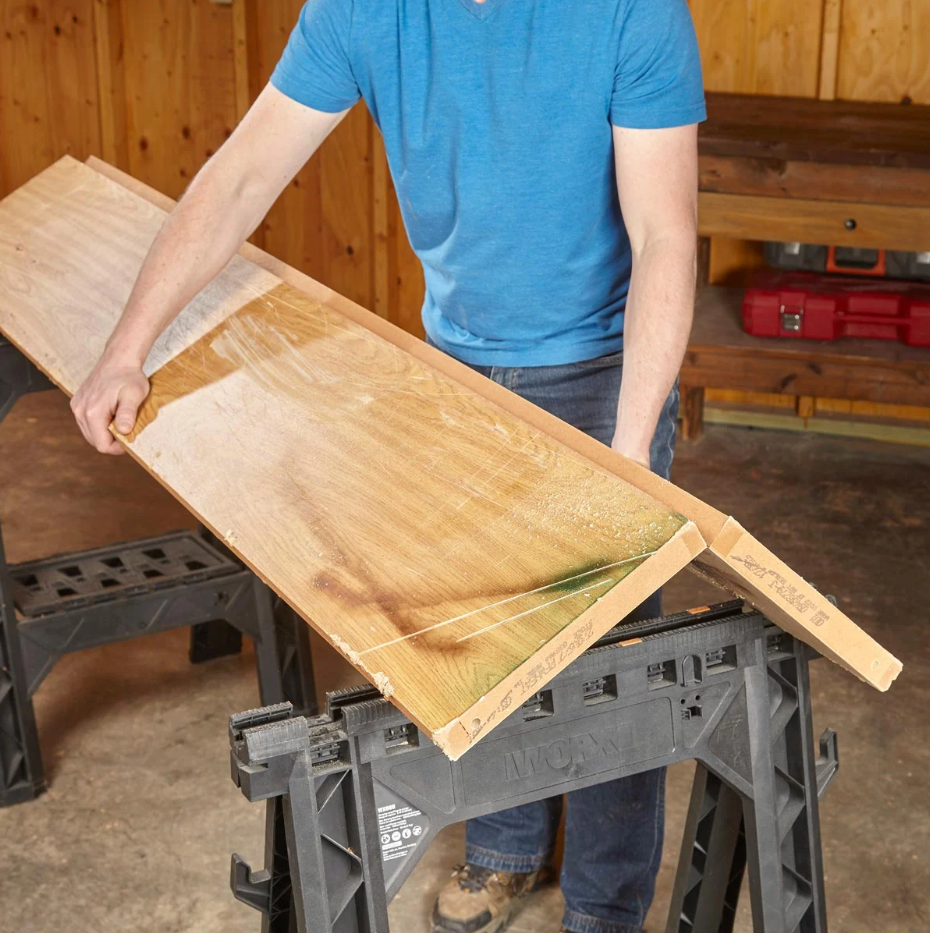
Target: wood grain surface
x=798, y=129
x=778, y=178
x=48, y=87
x=839, y=223
x=758, y=46
x=884, y=50
x=456, y=554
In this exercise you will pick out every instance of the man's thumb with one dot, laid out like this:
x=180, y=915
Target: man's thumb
x=126, y=410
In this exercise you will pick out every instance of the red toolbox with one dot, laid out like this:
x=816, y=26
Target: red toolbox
x=801, y=304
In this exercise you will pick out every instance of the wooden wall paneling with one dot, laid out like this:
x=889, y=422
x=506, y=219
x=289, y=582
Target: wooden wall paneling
x=787, y=47
x=111, y=80
x=48, y=86
x=755, y=47
x=830, y=49
x=759, y=46
x=293, y=228
x=180, y=87
x=725, y=36
x=246, y=32
x=382, y=191
x=885, y=50
x=406, y=274
x=346, y=169
x=246, y=76
x=324, y=222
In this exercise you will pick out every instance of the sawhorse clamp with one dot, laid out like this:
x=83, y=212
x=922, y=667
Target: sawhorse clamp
x=355, y=796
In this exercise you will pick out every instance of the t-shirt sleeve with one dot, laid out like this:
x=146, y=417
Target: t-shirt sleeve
x=316, y=69
x=657, y=79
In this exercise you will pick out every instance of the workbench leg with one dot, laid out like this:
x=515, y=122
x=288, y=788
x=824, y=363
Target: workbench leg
x=22, y=776
x=692, y=412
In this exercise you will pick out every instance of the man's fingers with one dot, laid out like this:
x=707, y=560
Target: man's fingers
x=114, y=448
x=127, y=408
x=96, y=428
x=125, y=417
x=109, y=401
x=80, y=417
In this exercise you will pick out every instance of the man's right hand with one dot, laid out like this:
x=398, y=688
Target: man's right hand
x=112, y=392
x=222, y=207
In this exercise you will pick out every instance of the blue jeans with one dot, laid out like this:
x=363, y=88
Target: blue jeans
x=613, y=831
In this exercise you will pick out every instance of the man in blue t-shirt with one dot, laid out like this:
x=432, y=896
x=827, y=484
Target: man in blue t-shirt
x=544, y=157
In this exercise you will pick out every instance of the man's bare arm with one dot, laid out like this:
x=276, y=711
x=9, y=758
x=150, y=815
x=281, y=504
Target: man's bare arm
x=219, y=211
x=657, y=184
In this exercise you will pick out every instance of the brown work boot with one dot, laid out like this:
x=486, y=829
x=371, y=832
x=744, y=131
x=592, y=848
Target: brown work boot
x=479, y=900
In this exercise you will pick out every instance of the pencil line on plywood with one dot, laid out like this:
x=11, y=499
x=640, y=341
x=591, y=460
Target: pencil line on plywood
x=526, y=612
x=509, y=599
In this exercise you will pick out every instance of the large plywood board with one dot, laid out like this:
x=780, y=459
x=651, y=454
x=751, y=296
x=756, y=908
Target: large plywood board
x=733, y=558
x=456, y=553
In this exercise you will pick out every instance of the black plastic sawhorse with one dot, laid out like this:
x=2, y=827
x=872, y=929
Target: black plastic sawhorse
x=355, y=796
x=81, y=600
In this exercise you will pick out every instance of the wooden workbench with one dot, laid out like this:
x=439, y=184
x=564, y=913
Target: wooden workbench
x=824, y=172
x=721, y=355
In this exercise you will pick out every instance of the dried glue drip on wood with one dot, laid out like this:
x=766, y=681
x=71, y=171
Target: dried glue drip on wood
x=381, y=681
x=346, y=649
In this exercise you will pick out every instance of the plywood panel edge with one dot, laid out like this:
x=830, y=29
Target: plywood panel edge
x=456, y=737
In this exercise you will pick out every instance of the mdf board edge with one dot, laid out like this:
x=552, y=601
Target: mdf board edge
x=740, y=563
x=464, y=731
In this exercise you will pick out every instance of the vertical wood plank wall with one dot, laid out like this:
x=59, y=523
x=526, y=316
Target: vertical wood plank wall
x=155, y=86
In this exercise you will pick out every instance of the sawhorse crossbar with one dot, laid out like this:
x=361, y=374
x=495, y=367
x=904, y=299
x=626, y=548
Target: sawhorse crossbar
x=355, y=796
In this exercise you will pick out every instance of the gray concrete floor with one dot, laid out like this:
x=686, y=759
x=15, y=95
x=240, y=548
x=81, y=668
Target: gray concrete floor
x=137, y=827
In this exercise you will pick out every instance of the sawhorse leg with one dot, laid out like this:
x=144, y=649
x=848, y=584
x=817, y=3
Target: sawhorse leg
x=282, y=645
x=713, y=859
x=282, y=652
x=774, y=830
x=22, y=776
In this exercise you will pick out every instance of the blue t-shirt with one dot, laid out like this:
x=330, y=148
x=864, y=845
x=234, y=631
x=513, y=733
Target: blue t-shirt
x=496, y=120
